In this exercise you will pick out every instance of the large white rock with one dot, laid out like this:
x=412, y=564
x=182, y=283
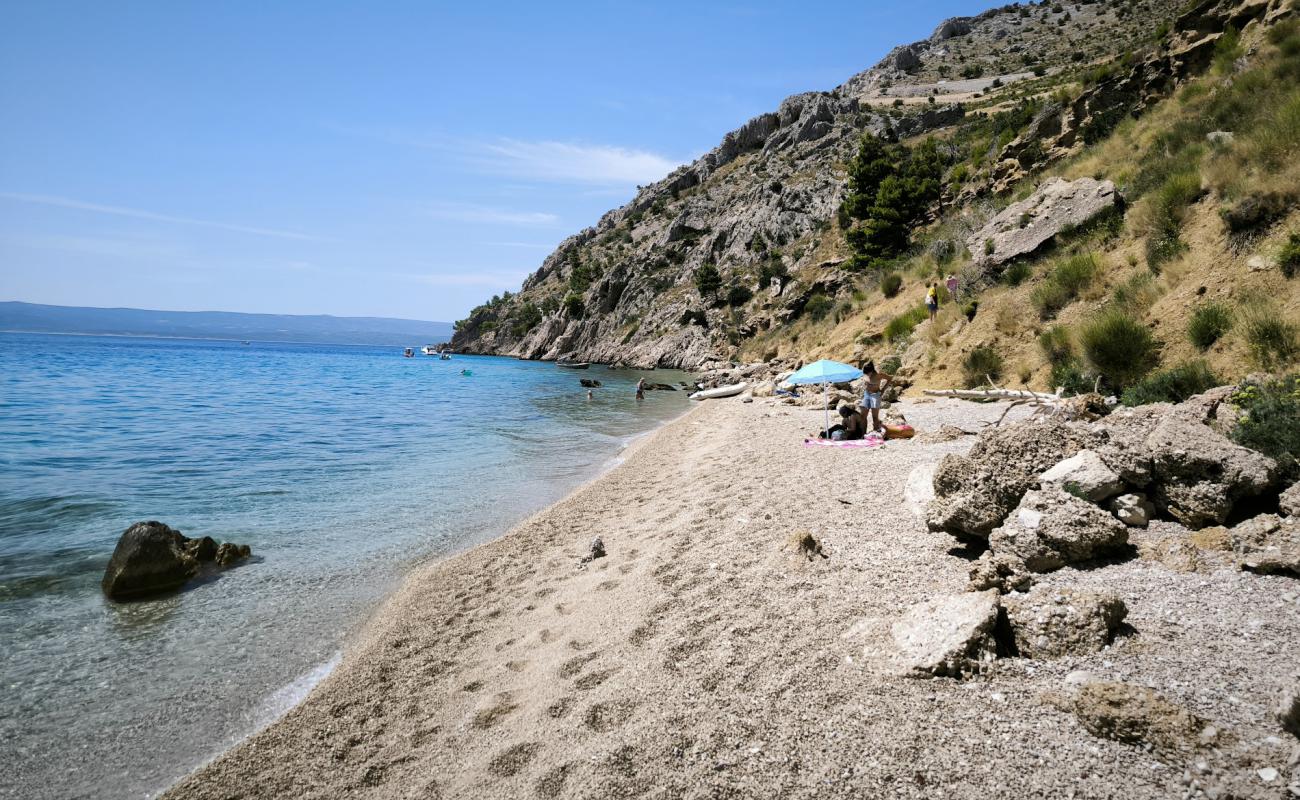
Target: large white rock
x=950, y=635
x=1048, y=622
x=1021, y=228
x=1084, y=475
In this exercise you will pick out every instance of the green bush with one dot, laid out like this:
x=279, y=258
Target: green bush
x=707, y=279
x=1169, y=207
x=1056, y=344
x=1119, y=347
x=1209, y=323
x=1171, y=385
x=574, y=304
x=1288, y=258
x=1067, y=279
x=891, y=283
x=1137, y=293
x=738, y=295
x=1269, y=426
x=1274, y=342
x=891, y=365
x=981, y=364
x=1017, y=273
x=1070, y=376
x=818, y=306
x=901, y=327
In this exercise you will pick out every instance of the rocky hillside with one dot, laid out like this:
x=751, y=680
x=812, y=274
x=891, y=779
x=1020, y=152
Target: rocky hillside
x=745, y=254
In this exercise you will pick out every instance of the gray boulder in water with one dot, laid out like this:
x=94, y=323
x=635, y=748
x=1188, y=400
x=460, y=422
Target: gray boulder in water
x=152, y=558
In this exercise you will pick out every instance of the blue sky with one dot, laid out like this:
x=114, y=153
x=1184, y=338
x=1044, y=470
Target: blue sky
x=404, y=159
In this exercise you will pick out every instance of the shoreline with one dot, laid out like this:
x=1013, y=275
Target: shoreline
x=284, y=700
x=702, y=656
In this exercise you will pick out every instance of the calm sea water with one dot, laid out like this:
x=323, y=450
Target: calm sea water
x=341, y=466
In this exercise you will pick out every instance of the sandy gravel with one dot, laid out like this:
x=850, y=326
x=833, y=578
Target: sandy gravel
x=701, y=659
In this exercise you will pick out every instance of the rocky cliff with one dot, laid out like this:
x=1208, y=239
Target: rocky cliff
x=760, y=208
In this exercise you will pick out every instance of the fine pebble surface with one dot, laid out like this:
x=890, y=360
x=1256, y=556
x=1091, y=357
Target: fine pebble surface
x=341, y=466
x=713, y=652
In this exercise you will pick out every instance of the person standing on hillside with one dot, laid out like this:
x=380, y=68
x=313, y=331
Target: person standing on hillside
x=951, y=283
x=932, y=300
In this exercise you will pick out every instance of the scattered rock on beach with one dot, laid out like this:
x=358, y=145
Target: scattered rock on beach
x=1288, y=710
x=152, y=558
x=1134, y=510
x=1268, y=544
x=1084, y=475
x=1051, y=528
x=805, y=545
x=1289, y=501
x=974, y=493
x=1002, y=572
x=1138, y=716
x=1051, y=622
x=595, y=551
x=1199, y=474
x=952, y=635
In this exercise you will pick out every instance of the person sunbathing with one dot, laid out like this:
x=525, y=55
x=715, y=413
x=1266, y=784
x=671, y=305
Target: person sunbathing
x=851, y=427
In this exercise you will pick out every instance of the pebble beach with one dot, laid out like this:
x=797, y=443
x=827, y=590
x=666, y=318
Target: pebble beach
x=708, y=655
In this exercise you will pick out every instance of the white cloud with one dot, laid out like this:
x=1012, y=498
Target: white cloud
x=565, y=162
x=466, y=212
x=135, y=213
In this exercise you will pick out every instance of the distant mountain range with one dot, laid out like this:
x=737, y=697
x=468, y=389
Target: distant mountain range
x=324, y=329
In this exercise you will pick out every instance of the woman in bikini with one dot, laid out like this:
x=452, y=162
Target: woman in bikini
x=877, y=382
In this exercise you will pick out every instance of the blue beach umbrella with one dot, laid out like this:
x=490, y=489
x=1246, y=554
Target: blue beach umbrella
x=825, y=372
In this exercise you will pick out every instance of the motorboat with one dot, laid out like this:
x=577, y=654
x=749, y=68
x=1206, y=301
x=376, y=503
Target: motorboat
x=720, y=392
x=430, y=350
x=444, y=356
x=573, y=364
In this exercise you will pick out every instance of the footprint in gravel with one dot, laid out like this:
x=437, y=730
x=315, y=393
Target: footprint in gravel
x=516, y=666
x=472, y=686
x=545, y=592
x=563, y=609
x=605, y=586
x=574, y=665
x=545, y=635
x=490, y=716
x=559, y=708
x=643, y=633
x=593, y=679
x=552, y=783
x=605, y=717
x=624, y=569
x=578, y=644
x=511, y=760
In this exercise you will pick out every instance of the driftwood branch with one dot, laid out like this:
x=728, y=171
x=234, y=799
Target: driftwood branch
x=993, y=394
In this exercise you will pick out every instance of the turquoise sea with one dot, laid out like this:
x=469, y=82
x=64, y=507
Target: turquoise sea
x=343, y=467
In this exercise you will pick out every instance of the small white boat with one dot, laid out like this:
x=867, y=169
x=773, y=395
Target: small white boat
x=429, y=350
x=445, y=356
x=573, y=364
x=722, y=391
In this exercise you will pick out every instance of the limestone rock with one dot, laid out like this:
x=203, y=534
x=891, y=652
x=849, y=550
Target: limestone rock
x=228, y=553
x=1136, y=715
x=1289, y=502
x=1021, y=228
x=951, y=635
x=764, y=389
x=1002, y=572
x=1288, y=710
x=1048, y=622
x=974, y=493
x=150, y=558
x=1199, y=474
x=1084, y=475
x=1268, y=544
x=1051, y=528
x=1134, y=510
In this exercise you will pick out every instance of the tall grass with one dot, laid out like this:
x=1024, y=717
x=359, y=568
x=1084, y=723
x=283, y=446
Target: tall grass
x=1208, y=324
x=901, y=327
x=1056, y=344
x=1171, y=385
x=1068, y=278
x=1119, y=347
x=1168, y=209
x=981, y=364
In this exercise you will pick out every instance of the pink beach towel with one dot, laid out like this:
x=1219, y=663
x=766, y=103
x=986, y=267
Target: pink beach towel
x=859, y=444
